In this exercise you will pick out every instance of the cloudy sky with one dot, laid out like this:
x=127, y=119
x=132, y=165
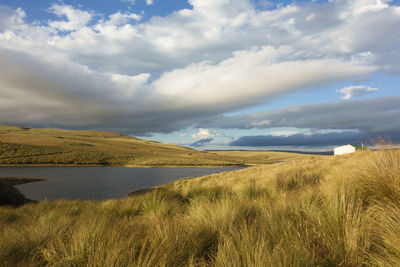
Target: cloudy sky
x=211, y=74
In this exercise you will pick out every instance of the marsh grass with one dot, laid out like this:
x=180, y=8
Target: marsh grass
x=298, y=178
x=338, y=211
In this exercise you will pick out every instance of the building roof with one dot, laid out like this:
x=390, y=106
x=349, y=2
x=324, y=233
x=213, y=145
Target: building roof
x=345, y=146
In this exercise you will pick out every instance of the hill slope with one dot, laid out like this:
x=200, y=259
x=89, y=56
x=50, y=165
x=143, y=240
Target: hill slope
x=20, y=145
x=51, y=146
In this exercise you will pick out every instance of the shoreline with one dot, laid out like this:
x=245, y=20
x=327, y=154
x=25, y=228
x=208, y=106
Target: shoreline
x=126, y=166
x=19, y=180
x=10, y=195
x=184, y=166
x=146, y=190
x=56, y=165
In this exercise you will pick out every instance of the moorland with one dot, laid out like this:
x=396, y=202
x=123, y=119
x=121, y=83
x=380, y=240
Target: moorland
x=55, y=147
x=305, y=211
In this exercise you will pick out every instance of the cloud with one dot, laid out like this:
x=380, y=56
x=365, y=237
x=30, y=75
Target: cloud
x=76, y=18
x=283, y=132
x=374, y=117
x=261, y=70
x=110, y=100
x=364, y=6
x=201, y=142
x=209, y=32
x=120, y=19
x=149, y=2
x=167, y=73
x=301, y=139
x=132, y=2
x=356, y=91
x=8, y=17
x=266, y=4
x=204, y=133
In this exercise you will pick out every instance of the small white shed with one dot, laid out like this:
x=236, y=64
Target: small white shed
x=347, y=149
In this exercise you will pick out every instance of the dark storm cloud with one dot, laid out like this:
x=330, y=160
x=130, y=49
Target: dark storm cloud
x=380, y=116
x=307, y=140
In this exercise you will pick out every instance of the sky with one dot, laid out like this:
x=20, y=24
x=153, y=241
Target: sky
x=207, y=74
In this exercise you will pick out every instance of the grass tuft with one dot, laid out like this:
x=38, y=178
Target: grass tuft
x=342, y=211
x=298, y=178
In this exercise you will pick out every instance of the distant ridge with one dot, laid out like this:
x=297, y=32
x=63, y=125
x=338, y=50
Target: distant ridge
x=284, y=151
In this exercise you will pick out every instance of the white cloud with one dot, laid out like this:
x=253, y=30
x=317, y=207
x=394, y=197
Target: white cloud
x=266, y=4
x=363, y=6
x=356, y=91
x=149, y=2
x=205, y=134
x=132, y=2
x=210, y=32
x=169, y=72
x=310, y=17
x=261, y=123
x=76, y=18
x=284, y=132
x=120, y=19
x=241, y=80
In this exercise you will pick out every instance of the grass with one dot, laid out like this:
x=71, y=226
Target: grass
x=261, y=157
x=315, y=211
x=66, y=147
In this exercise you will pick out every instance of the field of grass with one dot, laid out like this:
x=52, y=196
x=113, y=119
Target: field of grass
x=311, y=211
x=66, y=147
x=261, y=157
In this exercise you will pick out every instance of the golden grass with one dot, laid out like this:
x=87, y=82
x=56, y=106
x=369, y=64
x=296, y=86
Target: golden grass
x=330, y=211
x=262, y=157
x=67, y=147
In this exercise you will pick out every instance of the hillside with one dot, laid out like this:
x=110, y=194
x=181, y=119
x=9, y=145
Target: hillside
x=331, y=211
x=52, y=146
x=70, y=147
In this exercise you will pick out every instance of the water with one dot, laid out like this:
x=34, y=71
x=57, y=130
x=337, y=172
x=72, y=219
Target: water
x=96, y=183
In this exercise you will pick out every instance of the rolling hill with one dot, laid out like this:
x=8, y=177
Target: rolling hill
x=30, y=146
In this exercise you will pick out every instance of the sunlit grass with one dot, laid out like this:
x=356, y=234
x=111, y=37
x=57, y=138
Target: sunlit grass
x=335, y=211
x=66, y=147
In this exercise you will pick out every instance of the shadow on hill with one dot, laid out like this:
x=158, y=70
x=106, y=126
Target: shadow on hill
x=9, y=195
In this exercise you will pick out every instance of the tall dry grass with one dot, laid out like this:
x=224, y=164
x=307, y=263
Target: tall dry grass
x=338, y=211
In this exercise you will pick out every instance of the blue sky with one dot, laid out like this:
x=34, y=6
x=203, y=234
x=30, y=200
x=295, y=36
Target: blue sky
x=211, y=74
x=38, y=10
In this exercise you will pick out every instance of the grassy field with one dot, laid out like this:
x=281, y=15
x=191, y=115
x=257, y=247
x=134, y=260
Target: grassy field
x=66, y=147
x=262, y=157
x=310, y=211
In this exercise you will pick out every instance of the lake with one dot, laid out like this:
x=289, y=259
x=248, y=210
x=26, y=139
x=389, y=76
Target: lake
x=96, y=183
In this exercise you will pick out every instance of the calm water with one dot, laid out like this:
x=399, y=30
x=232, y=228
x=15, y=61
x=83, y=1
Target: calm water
x=96, y=183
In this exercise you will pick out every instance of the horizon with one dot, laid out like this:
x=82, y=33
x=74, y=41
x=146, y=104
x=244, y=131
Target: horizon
x=210, y=75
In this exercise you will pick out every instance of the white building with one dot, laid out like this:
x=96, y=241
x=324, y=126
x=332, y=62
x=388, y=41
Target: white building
x=347, y=149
